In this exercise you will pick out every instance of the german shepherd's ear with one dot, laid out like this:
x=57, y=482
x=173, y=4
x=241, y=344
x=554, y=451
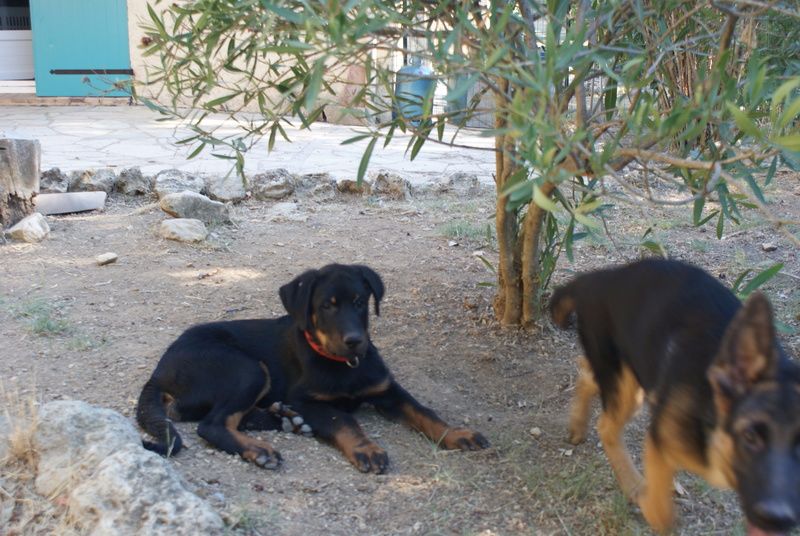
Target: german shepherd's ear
x=374, y=282
x=296, y=298
x=748, y=352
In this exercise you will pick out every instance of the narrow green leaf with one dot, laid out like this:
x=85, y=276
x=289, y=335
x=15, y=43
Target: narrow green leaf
x=355, y=139
x=542, y=200
x=314, y=84
x=420, y=141
x=761, y=278
x=771, y=171
x=790, y=142
x=362, y=166
x=743, y=121
x=720, y=225
x=707, y=218
x=754, y=186
x=655, y=247
x=737, y=283
x=197, y=151
x=219, y=100
x=486, y=263
x=781, y=93
x=697, y=213
x=157, y=21
x=568, y=240
x=789, y=113
x=587, y=221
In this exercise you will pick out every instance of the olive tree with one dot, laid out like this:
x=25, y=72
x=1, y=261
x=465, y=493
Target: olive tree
x=581, y=92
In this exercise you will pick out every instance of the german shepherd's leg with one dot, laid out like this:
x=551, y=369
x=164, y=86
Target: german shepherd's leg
x=620, y=406
x=656, y=499
x=586, y=390
x=221, y=426
x=396, y=404
x=341, y=430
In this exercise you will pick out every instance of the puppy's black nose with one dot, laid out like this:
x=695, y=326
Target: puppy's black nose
x=353, y=340
x=774, y=514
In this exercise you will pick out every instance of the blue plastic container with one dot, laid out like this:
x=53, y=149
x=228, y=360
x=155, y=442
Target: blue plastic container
x=413, y=83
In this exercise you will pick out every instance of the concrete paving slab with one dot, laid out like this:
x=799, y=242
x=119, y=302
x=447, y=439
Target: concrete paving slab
x=86, y=137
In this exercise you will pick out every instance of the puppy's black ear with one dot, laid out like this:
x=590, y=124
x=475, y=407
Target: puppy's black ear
x=748, y=351
x=296, y=298
x=375, y=284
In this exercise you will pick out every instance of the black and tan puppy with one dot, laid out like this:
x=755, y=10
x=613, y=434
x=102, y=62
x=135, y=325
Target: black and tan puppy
x=724, y=396
x=319, y=360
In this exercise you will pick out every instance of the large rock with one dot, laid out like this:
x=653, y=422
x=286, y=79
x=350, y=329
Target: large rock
x=93, y=459
x=194, y=205
x=464, y=185
x=72, y=438
x=390, y=185
x=133, y=182
x=183, y=230
x=33, y=228
x=5, y=431
x=134, y=491
x=317, y=186
x=226, y=188
x=274, y=184
x=102, y=180
x=19, y=178
x=171, y=181
x=350, y=186
x=53, y=181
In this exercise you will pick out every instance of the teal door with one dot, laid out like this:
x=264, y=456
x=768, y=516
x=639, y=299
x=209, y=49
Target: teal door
x=80, y=47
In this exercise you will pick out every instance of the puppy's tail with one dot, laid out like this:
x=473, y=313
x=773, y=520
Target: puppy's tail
x=562, y=305
x=152, y=417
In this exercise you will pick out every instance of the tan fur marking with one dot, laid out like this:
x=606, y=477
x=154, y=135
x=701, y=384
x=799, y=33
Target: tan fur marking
x=437, y=431
x=562, y=310
x=323, y=339
x=585, y=391
x=375, y=389
x=656, y=499
x=251, y=445
x=351, y=441
x=372, y=390
x=715, y=465
x=433, y=430
x=267, y=382
x=628, y=400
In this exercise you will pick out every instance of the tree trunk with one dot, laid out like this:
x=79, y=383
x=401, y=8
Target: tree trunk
x=531, y=252
x=19, y=179
x=508, y=301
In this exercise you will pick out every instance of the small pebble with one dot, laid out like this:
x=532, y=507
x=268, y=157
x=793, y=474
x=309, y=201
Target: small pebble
x=106, y=258
x=535, y=431
x=769, y=246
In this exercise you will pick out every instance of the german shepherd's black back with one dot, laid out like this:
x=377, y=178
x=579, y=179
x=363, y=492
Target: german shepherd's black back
x=725, y=397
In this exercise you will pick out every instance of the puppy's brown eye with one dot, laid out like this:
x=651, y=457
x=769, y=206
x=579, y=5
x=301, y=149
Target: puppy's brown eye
x=754, y=436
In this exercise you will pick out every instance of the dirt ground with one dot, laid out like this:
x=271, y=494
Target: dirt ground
x=72, y=329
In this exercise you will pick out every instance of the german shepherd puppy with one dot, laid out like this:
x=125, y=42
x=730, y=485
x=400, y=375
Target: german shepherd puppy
x=318, y=359
x=725, y=397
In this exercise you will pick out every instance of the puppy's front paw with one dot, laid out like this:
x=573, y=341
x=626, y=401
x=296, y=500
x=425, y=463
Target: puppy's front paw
x=291, y=421
x=369, y=458
x=464, y=439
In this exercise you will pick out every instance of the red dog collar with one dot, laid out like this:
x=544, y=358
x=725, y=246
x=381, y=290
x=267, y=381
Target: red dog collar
x=321, y=351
